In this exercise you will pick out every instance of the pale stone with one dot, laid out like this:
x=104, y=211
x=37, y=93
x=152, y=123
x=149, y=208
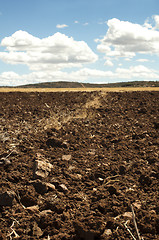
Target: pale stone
x=100, y=179
x=41, y=169
x=63, y=187
x=137, y=205
x=107, y=232
x=50, y=186
x=33, y=209
x=127, y=215
x=66, y=157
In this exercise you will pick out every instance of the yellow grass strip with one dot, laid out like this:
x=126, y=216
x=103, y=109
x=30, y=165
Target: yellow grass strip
x=122, y=89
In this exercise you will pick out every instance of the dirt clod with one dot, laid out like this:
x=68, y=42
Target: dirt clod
x=6, y=198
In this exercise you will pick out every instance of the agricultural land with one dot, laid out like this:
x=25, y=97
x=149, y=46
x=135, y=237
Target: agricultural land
x=79, y=165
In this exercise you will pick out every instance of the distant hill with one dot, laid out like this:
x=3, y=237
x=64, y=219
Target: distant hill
x=63, y=84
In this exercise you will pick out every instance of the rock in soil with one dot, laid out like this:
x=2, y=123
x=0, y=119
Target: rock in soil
x=41, y=169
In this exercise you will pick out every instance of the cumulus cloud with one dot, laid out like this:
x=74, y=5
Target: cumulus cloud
x=138, y=72
x=126, y=39
x=11, y=78
x=147, y=24
x=85, y=73
x=54, y=52
x=133, y=72
x=49, y=58
x=156, y=18
x=61, y=25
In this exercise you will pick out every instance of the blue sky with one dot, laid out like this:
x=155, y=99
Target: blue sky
x=96, y=41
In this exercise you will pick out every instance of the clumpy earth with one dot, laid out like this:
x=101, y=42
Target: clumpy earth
x=75, y=165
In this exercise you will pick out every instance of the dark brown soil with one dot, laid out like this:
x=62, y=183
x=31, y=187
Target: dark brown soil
x=104, y=149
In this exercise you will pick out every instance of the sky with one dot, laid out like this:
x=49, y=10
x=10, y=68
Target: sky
x=96, y=41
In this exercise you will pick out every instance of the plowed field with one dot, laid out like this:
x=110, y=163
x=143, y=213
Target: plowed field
x=100, y=171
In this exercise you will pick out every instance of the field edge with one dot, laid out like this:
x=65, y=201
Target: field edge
x=121, y=89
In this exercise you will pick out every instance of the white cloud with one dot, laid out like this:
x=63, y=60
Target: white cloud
x=61, y=25
x=86, y=24
x=54, y=52
x=76, y=21
x=156, y=18
x=85, y=73
x=142, y=60
x=48, y=58
x=147, y=24
x=108, y=63
x=138, y=72
x=11, y=78
x=9, y=75
x=125, y=39
x=128, y=59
